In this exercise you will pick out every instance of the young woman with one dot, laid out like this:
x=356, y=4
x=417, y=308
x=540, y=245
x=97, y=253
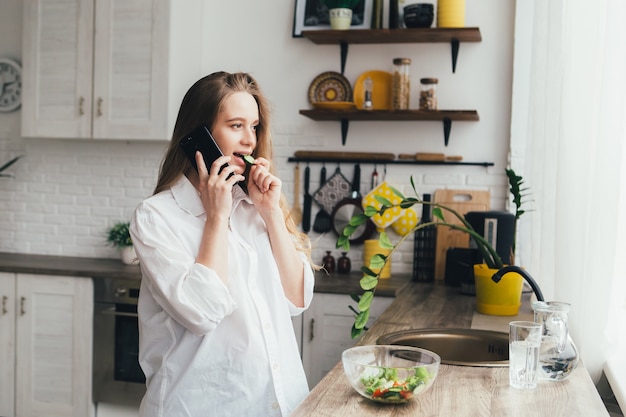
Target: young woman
x=222, y=271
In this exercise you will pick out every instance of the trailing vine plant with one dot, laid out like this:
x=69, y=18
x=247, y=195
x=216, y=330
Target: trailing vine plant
x=370, y=278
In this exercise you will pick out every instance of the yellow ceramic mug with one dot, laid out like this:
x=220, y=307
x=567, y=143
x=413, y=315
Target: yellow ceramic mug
x=450, y=13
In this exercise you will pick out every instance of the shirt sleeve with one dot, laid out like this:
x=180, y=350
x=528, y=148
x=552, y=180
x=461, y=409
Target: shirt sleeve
x=191, y=293
x=309, y=283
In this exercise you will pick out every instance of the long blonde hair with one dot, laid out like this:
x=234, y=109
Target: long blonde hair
x=201, y=105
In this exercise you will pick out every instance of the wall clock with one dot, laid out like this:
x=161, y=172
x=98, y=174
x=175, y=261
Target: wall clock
x=10, y=85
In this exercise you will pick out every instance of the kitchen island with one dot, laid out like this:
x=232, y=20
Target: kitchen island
x=458, y=391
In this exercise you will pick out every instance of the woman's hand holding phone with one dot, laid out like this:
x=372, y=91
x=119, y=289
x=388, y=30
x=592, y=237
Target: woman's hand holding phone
x=216, y=184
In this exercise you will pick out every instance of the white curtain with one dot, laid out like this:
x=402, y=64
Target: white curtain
x=568, y=141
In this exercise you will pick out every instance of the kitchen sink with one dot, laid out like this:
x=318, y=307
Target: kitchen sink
x=462, y=347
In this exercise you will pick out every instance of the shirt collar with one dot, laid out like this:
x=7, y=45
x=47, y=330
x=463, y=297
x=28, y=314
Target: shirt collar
x=187, y=197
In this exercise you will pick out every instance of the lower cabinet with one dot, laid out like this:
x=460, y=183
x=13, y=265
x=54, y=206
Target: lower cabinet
x=45, y=346
x=326, y=326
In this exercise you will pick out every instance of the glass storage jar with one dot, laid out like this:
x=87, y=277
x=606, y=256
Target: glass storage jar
x=428, y=94
x=401, y=84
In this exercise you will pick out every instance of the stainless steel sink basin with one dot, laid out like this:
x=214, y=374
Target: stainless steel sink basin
x=463, y=347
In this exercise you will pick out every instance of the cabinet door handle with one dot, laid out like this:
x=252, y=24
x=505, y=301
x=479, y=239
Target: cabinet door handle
x=311, y=336
x=4, y=304
x=22, y=305
x=81, y=102
x=99, y=111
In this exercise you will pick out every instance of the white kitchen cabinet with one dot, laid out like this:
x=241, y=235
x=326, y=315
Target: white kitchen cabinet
x=297, y=328
x=45, y=346
x=326, y=331
x=107, y=69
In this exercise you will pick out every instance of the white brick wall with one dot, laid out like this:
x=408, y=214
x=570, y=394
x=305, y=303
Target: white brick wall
x=67, y=192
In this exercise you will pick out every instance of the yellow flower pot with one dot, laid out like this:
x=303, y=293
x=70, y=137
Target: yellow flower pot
x=371, y=248
x=501, y=299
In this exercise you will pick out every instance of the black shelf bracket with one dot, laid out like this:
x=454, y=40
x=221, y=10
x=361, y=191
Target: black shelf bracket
x=343, y=45
x=454, y=46
x=345, y=124
x=447, y=126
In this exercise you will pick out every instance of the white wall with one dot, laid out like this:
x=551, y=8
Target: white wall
x=65, y=193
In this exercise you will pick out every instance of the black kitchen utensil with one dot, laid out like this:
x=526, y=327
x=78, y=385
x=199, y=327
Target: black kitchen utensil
x=349, y=207
x=308, y=199
x=322, y=222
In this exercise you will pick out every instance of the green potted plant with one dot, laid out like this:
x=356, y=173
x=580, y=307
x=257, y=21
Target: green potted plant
x=519, y=198
x=118, y=236
x=369, y=281
x=340, y=12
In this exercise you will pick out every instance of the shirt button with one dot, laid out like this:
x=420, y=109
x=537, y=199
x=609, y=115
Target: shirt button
x=275, y=406
x=275, y=366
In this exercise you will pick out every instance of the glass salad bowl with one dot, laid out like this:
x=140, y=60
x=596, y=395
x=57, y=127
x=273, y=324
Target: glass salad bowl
x=390, y=373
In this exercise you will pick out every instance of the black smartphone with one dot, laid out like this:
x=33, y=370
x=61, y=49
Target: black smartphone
x=200, y=139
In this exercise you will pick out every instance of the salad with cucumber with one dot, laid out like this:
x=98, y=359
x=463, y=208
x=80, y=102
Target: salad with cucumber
x=384, y=385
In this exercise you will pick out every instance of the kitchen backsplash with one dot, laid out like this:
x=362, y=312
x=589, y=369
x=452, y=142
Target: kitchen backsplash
x=65, y=193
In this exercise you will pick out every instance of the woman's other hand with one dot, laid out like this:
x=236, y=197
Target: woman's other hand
x=264, y=188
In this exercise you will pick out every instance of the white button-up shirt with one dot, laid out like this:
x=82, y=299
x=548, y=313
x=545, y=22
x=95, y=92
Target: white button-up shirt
x=210, y=349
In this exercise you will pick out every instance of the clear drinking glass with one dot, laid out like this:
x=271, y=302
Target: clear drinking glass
x=524, y=342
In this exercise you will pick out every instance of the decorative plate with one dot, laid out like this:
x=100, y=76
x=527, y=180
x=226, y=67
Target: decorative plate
x=334, y=105
x=381, y=90
x=330, y=86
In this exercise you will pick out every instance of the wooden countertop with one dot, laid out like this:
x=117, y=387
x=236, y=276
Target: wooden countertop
x=114, y=268
x=67, y=266
x=350, y=283
x=458, y=391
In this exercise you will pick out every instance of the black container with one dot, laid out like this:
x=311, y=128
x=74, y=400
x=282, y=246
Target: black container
x=394, y=14
x=460, y=268
x=498, y=228
x=424, y=247
x=419, y=15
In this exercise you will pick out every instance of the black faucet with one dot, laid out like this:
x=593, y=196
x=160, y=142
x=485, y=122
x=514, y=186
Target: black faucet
x=512, y=268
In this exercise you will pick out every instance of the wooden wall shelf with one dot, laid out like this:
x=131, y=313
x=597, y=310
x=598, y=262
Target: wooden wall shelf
x=371, y=36
x=381, y=36
x=386, y=162
x=345, y=116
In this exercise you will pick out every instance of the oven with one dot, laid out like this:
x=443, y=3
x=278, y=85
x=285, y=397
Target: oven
x=117, y=376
